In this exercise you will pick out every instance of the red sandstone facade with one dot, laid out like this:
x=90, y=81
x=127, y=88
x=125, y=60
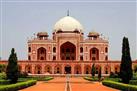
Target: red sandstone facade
x=68, y=51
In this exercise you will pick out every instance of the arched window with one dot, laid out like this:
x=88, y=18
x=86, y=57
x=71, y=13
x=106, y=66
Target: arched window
x=106, y=49
x=54, y=57
x=81, y=50
x=106, y=58
x=29, y=49
x=94, y=54
x=28, y=68
x=29, y=58
x=54, y=49
x=41, y=54
x=38, y=69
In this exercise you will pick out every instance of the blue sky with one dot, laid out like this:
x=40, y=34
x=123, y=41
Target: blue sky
x=21, y=19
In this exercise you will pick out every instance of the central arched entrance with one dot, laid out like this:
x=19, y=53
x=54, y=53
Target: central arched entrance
x=67, y=69
x=68, y=51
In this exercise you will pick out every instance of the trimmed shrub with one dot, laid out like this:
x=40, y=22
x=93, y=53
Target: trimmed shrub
x=4, y=82
x=48, y=78
x=113, y=79
x=40, y=78
x=91, y=78
x=17, y=86
x=120, y=86
x=133, y=82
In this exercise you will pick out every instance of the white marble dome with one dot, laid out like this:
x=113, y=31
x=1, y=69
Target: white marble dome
x=68, y=24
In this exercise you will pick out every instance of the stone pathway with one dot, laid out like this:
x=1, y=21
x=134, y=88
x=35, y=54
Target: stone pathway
x=79, y=84
x=57, y=84
x=76, y=84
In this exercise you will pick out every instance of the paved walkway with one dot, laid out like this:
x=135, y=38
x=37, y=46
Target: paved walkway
x=76, y=84
x=79, y=84
x=57, y=84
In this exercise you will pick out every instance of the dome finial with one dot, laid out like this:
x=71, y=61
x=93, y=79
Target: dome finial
x=68, y=13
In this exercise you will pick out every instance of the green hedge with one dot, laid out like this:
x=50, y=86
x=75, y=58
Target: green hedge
x=4, y=82
x=113, y=79
x=17, y=86
x=120, y=86
x=91, y=78
x=48, y=78
x=36, y=78
x=133, y=82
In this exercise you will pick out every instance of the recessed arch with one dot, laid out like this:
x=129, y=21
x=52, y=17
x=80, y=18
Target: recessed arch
x=77, y=69
x=67, y=69
x=68, y=51
x=117, y=69
x=107, y=69
x=48, y=69
x=28, y=69
x=87, y=69
x=57, y=69
x=41, y=53
x=97, y=67
x=94, y=54
x=38, y=69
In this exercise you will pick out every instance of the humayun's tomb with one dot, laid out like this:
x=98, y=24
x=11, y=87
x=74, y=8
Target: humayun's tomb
x=68, y=51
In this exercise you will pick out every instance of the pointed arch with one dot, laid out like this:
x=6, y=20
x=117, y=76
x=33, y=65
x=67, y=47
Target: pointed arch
x=107, y=69
x=87, y=69
x=57, y=69
x=117, y=69
x=41, y=53
x=68, y=51
x=94, y=54
x=28, y=69
x=77, y=69
x=48, y=69
x=38, y=69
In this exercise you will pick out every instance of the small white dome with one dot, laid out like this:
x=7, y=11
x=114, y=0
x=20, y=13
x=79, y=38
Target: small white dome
x=68, y=24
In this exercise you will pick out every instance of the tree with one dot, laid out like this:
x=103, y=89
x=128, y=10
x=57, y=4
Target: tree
x=126, y=63
x=99, y=74
x=12, y=67
x=93, y=70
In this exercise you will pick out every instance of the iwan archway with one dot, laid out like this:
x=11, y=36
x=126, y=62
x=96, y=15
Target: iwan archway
x=67, y=69
x=68, y=51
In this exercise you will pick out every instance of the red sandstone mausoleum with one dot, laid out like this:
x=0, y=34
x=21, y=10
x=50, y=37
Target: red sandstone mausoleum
x=68, y=51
